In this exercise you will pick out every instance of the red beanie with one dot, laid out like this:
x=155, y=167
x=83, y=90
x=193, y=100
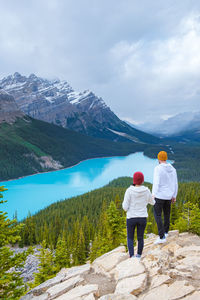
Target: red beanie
x=138, y=178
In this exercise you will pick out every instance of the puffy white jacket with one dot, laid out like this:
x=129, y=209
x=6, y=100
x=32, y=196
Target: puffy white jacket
x=165, y=183
x=135, y=201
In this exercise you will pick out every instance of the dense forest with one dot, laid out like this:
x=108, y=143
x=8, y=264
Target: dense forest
x=186, y=157
x=94, y=223
x=79, y=229
x=24, y=143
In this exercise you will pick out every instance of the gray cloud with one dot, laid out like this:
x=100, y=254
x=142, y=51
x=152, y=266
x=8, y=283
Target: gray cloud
x=142, y=57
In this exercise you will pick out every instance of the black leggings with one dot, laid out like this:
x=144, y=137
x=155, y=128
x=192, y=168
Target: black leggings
x=165, y=207
x=140, y=223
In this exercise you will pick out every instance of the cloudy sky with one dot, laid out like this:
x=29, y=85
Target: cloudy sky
x=142, y=57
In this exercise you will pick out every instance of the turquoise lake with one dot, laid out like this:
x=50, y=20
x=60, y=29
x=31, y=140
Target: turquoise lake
x=32, y=193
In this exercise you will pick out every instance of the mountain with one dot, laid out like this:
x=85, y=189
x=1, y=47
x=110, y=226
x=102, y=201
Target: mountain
x=187, y=136
x=9, y=110
x=173, y=126
x=29, y=146
x=54, y=101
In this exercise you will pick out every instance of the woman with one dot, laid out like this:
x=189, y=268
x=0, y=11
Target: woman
x=135, y=203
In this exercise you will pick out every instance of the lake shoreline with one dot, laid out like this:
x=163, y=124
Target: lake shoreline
x=31, y=194
x=71, y=166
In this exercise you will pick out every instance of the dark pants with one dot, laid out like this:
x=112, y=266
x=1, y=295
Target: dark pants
x=131, y=224
x=165, y=207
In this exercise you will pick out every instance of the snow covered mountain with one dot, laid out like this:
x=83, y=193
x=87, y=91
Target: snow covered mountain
x=54, y=101
x=175, y=125
x=9, y=110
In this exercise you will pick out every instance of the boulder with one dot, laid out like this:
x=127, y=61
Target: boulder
x=133, y=285
x=159, y=293
x=63, y=287
x=38, y=290
x=80, y=291
x=105, y=263
x=189, y=263
x=157, y=258
x=159, y=280
x=74, y=271
x=173, y=233
x=179, y=289
x=129, y=268
x=189, y=250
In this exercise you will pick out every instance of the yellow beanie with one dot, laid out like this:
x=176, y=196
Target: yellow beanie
x=162, y=155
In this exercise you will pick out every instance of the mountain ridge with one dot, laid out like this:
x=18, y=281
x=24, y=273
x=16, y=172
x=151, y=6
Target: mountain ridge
x=9, y=111
x=54, y=101
x=173, y=126
x=29, y=146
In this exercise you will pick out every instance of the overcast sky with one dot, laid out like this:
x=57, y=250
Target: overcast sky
x=142, y=57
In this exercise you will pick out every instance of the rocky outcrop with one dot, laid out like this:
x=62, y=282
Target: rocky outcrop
x=9, y=110
x=169, y=271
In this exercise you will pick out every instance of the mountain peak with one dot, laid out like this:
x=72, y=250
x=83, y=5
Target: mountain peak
x=17, y=75
x=55, y=101
x=32, y=76
x=9, y=110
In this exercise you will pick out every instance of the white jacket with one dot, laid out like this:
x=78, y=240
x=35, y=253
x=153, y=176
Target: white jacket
x=135, y=201
x=165, y=183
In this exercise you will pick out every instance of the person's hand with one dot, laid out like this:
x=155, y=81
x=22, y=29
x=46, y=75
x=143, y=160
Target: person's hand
x=153, y=197
x=173, y=199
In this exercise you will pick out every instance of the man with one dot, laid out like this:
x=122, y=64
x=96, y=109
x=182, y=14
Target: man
x=164, y=191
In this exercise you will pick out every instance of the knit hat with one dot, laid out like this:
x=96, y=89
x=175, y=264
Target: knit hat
x=162, y=155
x=138, y=178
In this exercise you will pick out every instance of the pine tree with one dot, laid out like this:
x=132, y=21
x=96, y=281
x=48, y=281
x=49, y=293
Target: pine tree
x=116, y=224
x=28, y=236
x=189, y=219
x=81, y=250
x=11, y=284
x=47, y=268
x=86, y=233
x=102, y=242
x=117, y=202
x=62, y=256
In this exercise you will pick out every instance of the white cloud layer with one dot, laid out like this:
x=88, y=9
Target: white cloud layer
x=142, y=57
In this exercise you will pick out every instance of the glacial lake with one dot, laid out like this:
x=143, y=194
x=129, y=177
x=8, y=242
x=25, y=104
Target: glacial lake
x=32, y=193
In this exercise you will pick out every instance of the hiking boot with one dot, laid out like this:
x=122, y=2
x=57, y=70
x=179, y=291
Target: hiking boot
x=160, y=241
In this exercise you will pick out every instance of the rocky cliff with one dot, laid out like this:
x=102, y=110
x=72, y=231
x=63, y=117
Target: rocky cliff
x=9, y=110
x=166, y=272
x=54, y=101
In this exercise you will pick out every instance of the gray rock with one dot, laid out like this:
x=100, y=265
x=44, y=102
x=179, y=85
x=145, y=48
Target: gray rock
x=80, y=291
x=129, y=268
x=38, y=290
x=44, y=296
x=132, y=285
x=63, y=287
x=74, y=271
x=108, y=261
